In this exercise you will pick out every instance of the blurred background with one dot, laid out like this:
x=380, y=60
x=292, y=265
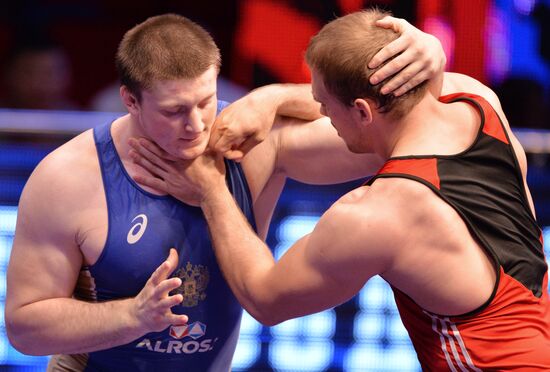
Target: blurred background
x=57, y=78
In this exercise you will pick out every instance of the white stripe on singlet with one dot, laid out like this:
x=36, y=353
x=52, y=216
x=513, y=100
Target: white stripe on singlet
x=450, y=332
x=463, y=346
x=443, y=343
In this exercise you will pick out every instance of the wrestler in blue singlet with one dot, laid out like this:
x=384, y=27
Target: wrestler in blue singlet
x=142, y=229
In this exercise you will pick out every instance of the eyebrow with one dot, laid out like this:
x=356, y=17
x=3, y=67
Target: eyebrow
x=208, y=98
x=179, y=105
x=173, y=107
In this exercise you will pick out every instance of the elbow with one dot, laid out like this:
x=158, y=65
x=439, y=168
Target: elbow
x=20, y=345
x=24, y=346
x=271, y=322
x=264, y=302
x=266, y=313
x=266, y=319
x=15, y=339
x=19, y=339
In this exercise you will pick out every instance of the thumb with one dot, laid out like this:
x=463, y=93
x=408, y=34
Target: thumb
x=236, y=155
x=389, y=22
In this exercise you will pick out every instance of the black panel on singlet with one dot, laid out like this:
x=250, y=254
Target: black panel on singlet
x=484, y=185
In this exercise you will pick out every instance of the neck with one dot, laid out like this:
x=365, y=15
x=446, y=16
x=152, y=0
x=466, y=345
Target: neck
x=410, y=134
x=122, y=130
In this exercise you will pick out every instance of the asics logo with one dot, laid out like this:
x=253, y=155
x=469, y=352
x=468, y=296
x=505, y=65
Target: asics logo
x=137, y=230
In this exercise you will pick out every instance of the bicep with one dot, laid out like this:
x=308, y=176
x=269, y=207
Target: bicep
x=326, y=267
x=301, y=282
x=45, y=259
x=312, y=152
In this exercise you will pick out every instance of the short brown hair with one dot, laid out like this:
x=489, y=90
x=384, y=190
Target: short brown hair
x=341, y=51
x=164, y=47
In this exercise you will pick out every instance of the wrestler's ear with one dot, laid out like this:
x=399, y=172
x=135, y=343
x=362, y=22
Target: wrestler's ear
x=364, y=110
x=129, y=99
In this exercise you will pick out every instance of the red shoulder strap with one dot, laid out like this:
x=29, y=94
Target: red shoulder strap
x=425, y=169
x=492, y=125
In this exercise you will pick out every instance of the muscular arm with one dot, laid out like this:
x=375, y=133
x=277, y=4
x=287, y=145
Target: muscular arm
x=293, y=100
x=314, y=153
x=309, y=152
x=41, y=316
x=247, y=122
x=319, y=271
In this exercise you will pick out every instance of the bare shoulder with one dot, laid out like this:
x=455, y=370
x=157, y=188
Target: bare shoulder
x=363, y=224
x=455, y=82
x=390, y=206
x=400, y=197
x=54, y=206
x=367, y=230
x=68, y=163
x=66, y=177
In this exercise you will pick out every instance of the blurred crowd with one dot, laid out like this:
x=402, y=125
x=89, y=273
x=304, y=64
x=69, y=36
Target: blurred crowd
x=37, y=74
x=60, y=70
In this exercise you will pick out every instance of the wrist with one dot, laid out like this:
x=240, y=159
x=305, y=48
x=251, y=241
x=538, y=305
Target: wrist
x=217, y=191
x=132, y=324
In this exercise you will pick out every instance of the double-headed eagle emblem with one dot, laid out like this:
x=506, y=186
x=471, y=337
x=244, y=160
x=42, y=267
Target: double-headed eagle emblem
x=194, y=279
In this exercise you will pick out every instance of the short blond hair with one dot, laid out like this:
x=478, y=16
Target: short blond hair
x=341, y=51
x=164, y=47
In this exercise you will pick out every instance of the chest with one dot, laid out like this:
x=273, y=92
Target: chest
x=130, y=231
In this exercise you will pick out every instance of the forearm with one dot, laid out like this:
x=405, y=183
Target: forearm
x=69, y=326
x=293, y=100
x=244, y=259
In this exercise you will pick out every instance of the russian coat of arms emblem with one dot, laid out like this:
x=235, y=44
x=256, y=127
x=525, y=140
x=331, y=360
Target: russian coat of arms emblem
x=194, y=279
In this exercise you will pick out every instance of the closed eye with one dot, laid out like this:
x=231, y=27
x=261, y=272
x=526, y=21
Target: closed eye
x=205, y=102
x=174, y=111
x=170, y=113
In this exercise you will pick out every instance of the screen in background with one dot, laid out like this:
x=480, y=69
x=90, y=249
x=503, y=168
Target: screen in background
x=375, y=339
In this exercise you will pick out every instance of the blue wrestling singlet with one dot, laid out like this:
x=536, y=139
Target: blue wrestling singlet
x=142, y=229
